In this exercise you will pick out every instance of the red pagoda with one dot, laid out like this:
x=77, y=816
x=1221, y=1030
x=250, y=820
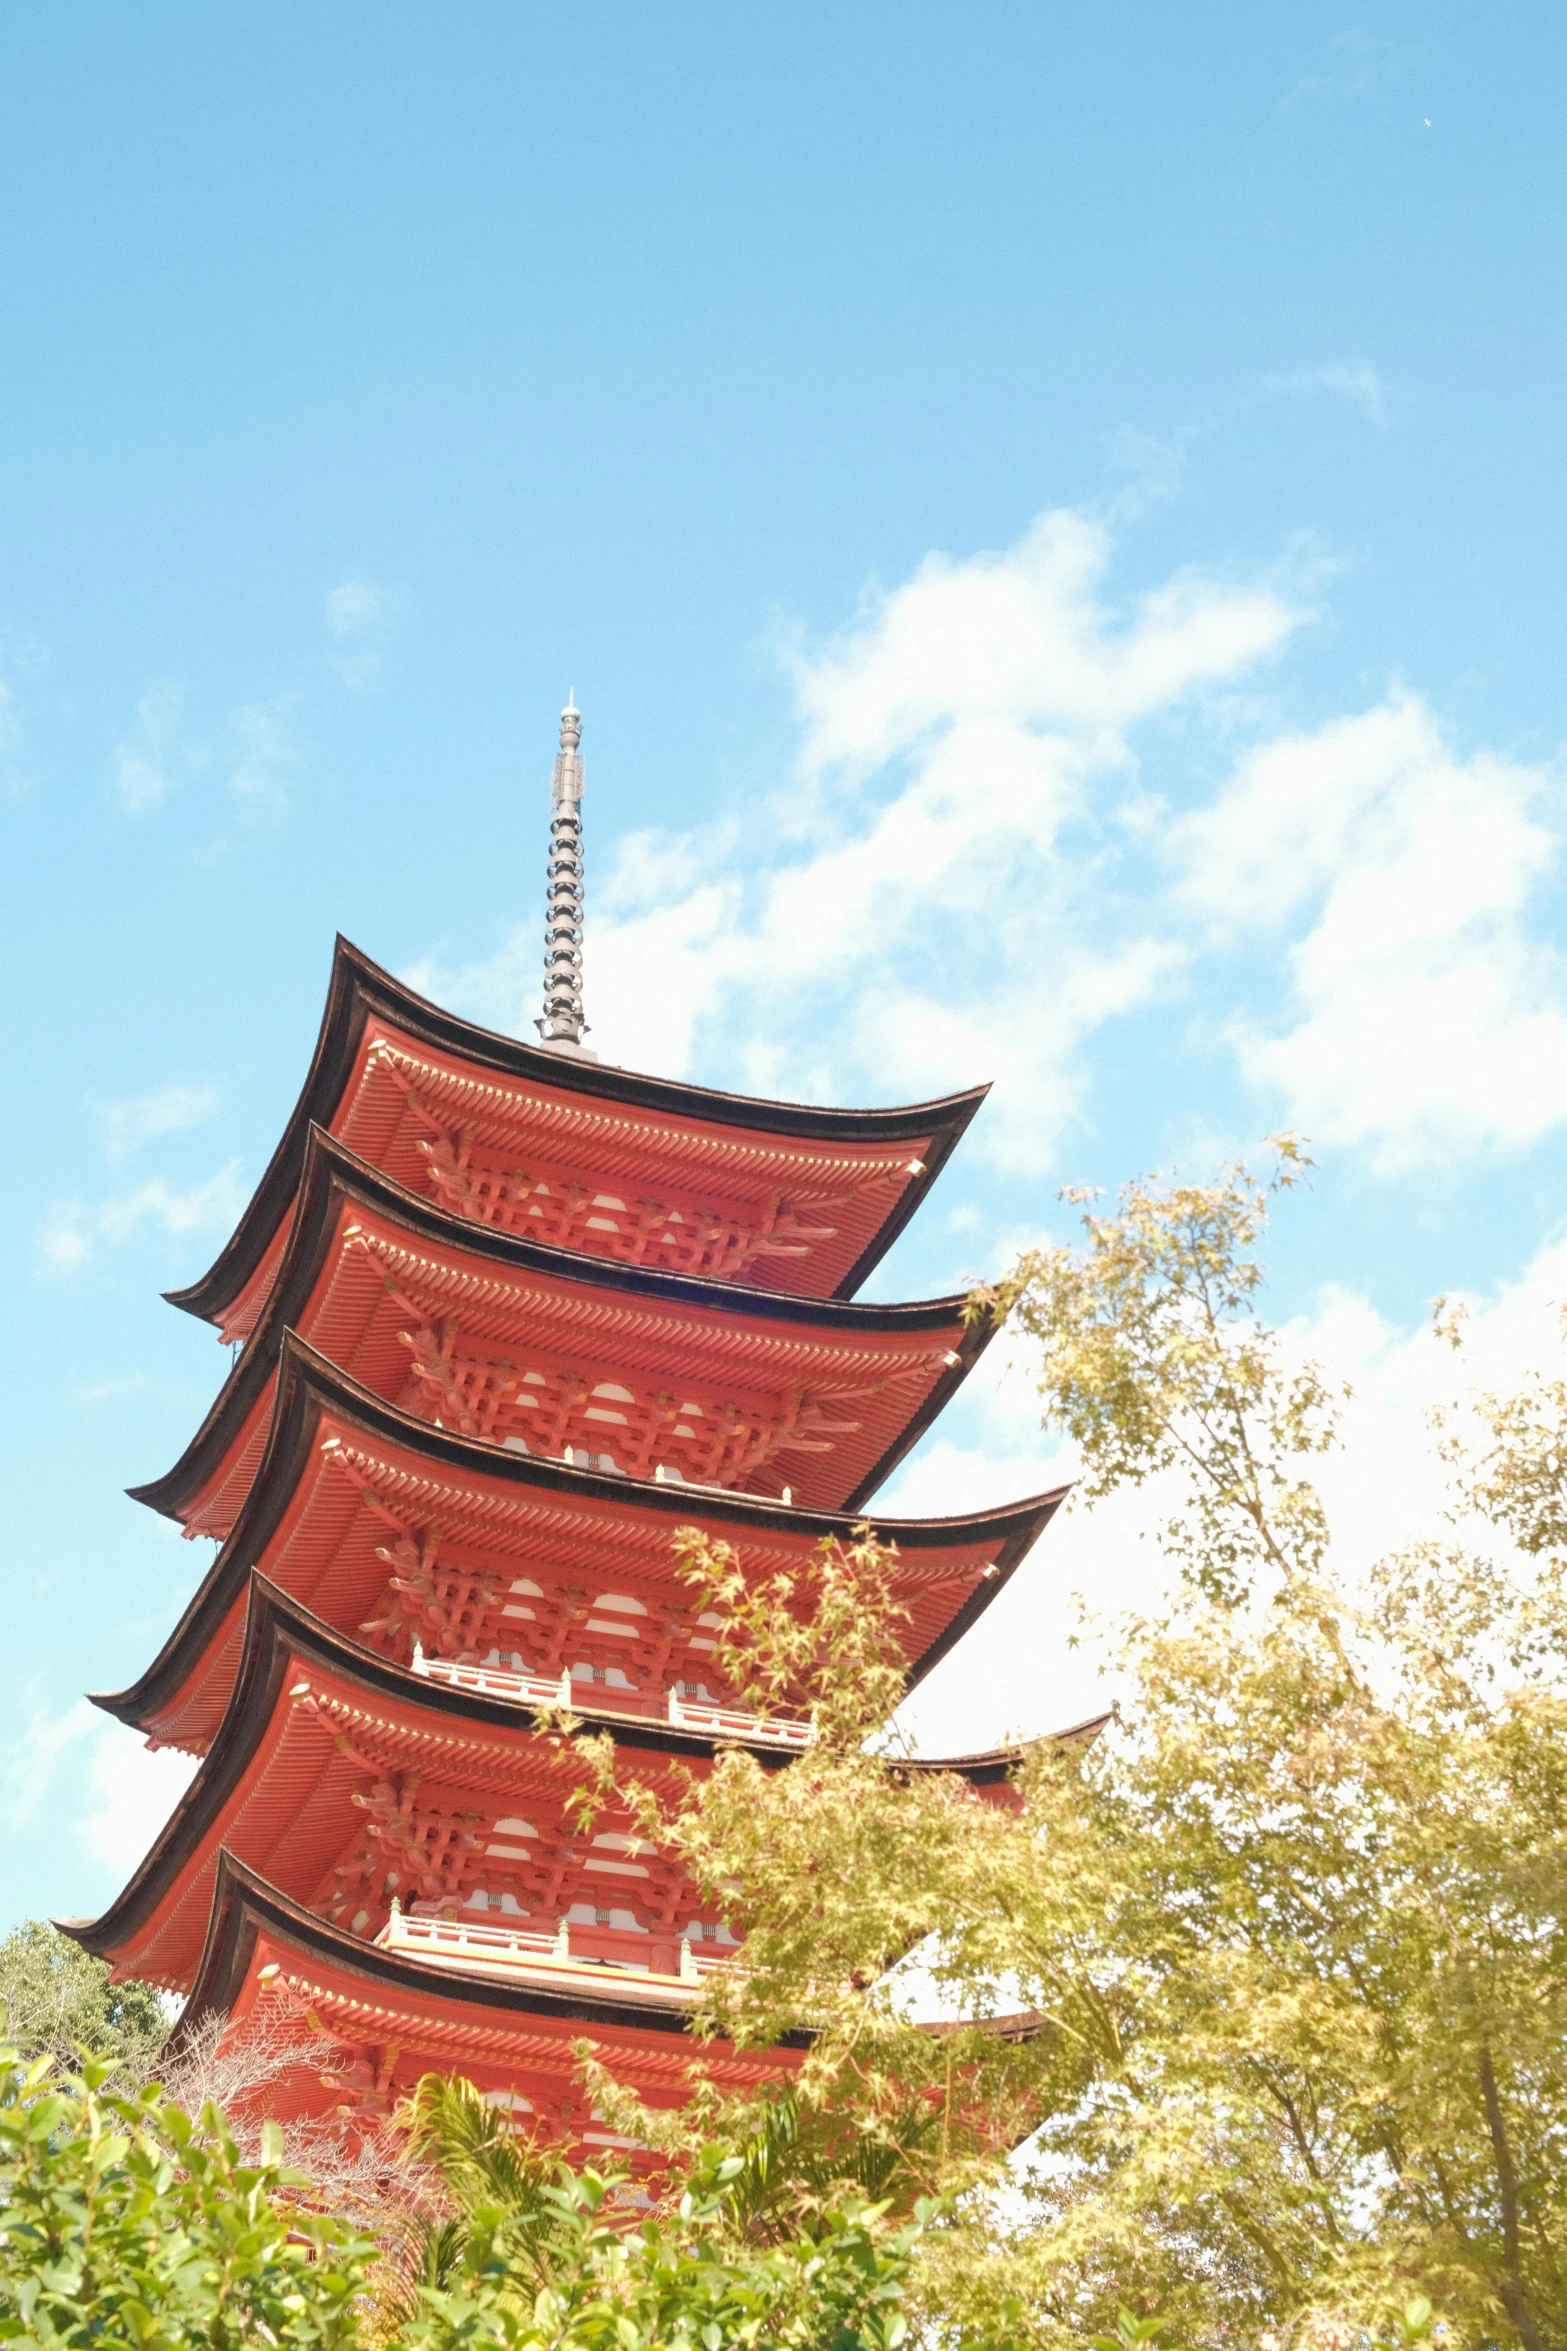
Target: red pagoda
x=507, y=1317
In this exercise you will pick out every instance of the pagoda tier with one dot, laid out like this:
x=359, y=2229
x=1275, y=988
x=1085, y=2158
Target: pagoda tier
x=350, y=1784
x=382, y=2018
x=555, y=1353
x=503, y=1566
x=580, y=1156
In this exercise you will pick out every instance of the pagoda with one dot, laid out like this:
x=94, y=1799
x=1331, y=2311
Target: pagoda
x=505, y=1318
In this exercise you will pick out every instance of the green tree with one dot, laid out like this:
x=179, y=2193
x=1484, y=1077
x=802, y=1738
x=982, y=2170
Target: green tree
x=532, y=2253
x=123, y=2222
x=56, y=1999
x=1287, y=1942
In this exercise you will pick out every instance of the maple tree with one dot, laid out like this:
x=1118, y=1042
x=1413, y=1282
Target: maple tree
x=1269, y=1976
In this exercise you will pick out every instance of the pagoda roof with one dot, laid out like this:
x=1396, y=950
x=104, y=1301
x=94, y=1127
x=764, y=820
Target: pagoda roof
x=366, y=1257
x=264, y=1952
x=316, y=1720
x=380, y=1040
x=340, y=1463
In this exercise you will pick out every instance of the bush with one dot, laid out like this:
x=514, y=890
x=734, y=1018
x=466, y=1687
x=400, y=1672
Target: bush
x=124, y=2222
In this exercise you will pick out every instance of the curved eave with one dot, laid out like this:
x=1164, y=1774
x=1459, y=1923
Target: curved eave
x=335, y=1177
x=245, y=1907
x=360, y=989
x=309, y=1386
x=282, y=1639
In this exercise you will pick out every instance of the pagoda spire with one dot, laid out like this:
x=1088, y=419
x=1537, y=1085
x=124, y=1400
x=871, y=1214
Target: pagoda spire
x=562, y=1024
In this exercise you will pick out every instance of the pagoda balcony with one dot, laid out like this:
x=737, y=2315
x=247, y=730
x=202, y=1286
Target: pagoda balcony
x=689, y=1714
x=731, y=1722
x=514, y=1952
x=494, y=1681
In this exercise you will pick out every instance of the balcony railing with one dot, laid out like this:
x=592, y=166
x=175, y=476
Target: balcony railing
x=501, y=1951
x=691, y=1714
x=494, y=1681
x=730, y=1722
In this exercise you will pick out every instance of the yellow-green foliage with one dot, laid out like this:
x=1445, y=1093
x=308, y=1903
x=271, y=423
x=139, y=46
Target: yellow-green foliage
x=565, y=2266
x=1290, y=1935
x=125, y=2224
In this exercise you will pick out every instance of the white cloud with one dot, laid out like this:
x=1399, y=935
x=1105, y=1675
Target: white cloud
x=1025, y=640
x=1430, y=1018
x=146, y=760
x=936, y=893
x=967, y=876
x=1025, y=1667
x=129, y=1791
x=360, y=617
x=131, y=1794
x=263, y=756
x=171, y=1110
x=1353, y=380
x=75, y=1230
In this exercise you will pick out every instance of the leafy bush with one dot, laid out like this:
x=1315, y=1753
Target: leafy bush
x=572, y=2274
x=124, y=2222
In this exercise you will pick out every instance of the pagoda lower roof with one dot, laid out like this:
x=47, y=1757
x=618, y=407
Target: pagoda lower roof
x=351, y=1490
x=381, y=2020
x=805, y=1199
x=548, y=1349
x=345, y=1779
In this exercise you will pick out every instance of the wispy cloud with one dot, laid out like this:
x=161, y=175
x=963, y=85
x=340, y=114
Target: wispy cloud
x=125, y=1792
x=34, y=1755
x=938, y=890
x=171, y=1110
x=360, y=617
x=12, y=779
x=1353, y=380
x=1426, y=1014
x=1356, y=64
x=968, y=875
x=21, y=657
x=1152, y=469
x=75, y=1231
x=131, y=1383
x=264, y=756
x=146, y=762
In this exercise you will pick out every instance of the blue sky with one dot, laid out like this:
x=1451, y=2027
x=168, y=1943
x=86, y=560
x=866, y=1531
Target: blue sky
x=1053, y=516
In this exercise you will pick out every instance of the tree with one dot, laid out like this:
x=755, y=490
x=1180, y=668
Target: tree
x=123, y=2222
x=1288, y=1939
x=532, y=2253
x=56, y=1999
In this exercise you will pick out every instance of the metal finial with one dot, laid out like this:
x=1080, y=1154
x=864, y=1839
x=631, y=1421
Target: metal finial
x=562, y=1025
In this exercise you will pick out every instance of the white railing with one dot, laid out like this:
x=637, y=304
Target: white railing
x=694, y=1965
x=462, y=1937
x=503, y=1949
x=728, y=1722
x=532, y=1689
x=494, y=1681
